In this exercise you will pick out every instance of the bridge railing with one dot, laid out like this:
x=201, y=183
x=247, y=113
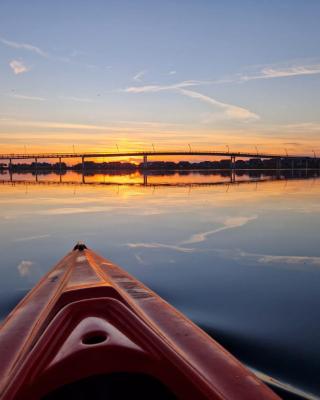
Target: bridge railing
x=16, y=156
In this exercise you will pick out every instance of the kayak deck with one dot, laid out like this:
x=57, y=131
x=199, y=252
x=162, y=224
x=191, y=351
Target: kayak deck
x=90, y=327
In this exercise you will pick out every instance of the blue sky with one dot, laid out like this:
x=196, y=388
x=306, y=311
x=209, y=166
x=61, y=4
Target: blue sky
x=170, y=72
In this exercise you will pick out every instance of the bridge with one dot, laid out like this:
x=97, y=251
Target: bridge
x=145, y=154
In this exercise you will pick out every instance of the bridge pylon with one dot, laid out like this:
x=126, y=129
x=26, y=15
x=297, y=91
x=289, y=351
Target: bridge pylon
x=145, y=161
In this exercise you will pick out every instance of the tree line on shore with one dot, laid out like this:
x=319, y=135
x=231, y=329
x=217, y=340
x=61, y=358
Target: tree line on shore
x=254, y=163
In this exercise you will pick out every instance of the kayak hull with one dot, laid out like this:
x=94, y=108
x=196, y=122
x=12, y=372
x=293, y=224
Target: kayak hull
x=88, y=318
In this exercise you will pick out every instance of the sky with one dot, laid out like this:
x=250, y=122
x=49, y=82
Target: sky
x=99, y=75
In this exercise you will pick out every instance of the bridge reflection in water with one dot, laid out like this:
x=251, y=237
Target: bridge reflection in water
x=158, y=179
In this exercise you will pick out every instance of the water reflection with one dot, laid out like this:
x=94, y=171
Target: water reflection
x=242, y=259
x=158, y=178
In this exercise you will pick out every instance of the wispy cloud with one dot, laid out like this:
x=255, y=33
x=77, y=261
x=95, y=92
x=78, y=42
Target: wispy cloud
x=273, y=72
x=115, y=126
x=74, y=210
x=161, y=88
x=24, y=46
x=18, y=67
x=140, y=259
x=229, y=223
x=25, y=97
x=30, y=238
x=229, y=110
x=24, y=268
x=173, y=72
x=36, y=50
x=160, y=246
x=271, y=259
x=138, y=77
x=238, y=254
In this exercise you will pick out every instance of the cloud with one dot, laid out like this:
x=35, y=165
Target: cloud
x=116, y=127
x=24, y=46
x=140, y=259
x=160, y=246
x=74, y=210
x=160, y=88
x=34, y=49
x=138, y=77
x=172, y=72
x=23, y=97
x=293, y=260
x=229, y=223
x=229, y=110
x=28, y=238
x=18, y=67
x=271, y=72
x=24, y=268
x=238, y=254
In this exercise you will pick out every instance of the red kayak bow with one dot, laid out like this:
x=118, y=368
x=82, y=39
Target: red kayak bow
x=89, y=330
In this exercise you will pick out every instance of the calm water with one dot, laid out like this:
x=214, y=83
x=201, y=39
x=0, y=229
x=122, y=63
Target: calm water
x=241, y=260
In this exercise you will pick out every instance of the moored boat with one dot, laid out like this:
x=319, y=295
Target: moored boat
x=89, y=330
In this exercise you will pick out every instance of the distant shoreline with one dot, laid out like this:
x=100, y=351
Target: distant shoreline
x=183, y=166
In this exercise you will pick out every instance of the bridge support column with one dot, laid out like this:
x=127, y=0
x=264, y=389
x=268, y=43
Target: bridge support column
x=83, y=164
x=83, y=168
x=10, y=169
x=145, y=179
x=307, y=165
x=232, y=176
x=233, y=162
x=278, y=167
x=36, y=168
x=60, y=170
x=145, y=161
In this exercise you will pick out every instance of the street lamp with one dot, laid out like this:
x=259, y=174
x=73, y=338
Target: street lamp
x=286, y=152
x=153, y=148
x=189, y=148
x=257, y=150
x=227, y=146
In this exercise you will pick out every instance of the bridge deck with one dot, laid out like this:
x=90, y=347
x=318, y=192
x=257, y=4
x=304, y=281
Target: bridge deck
x=147, y=153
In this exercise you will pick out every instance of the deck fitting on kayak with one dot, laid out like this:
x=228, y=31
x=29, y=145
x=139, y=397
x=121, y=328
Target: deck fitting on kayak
x=80, y=246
